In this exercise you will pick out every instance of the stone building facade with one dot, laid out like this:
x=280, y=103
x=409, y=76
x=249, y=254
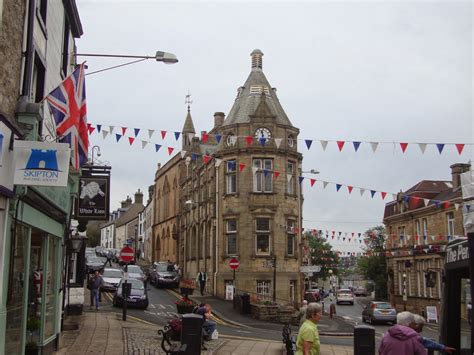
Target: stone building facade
x=237, y=196
x=419, y=224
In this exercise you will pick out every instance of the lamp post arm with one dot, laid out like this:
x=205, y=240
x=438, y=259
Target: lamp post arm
x=114, y=55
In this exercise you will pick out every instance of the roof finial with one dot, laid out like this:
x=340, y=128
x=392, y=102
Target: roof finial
x=188, y=101
x=257, y=62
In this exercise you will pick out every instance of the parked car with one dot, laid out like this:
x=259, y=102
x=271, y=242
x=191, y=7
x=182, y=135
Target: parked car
x=138, y=294
x=312, y=295
x=379, y=312
x=344, y=295
x=111, y=278
x=163, y=274
x=94, y=263
x=360, y=291
x=135, y=272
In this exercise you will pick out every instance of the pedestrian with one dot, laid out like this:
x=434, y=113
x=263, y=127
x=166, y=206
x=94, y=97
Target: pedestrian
x=401, y=338
x=96, y=283
x=307, y=342
x=469, y=312
x=202, y=278
x=332, y=310
x=109, y=259
x=430, y=344
x=209, y=326
x=302, y=313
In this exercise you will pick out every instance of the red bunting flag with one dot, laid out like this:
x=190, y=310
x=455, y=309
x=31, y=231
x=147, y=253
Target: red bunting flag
x=446, y=204
x=170, y=150
x=130, y=140
x=350, y=190
x=241, y=167
x=204, y=137
x=404, y=146
x=249, y=140
x=312, y=181
x=206, y=158
x=124, y=129
x=383, y=194
x=90, y=128
x=340, y=144
x=163, y=134
x=459, y=147
x=276, y=174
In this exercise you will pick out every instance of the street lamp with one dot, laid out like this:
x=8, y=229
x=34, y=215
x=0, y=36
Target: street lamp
x=312, y=171
x=74, y=245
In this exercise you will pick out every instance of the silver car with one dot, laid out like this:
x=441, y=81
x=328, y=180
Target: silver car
x=111, y=279
x=135, y=272
x=379, y=312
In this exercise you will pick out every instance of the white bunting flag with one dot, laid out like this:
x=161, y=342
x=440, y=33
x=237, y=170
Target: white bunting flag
x=374, y=146
x=104, y=134
x=150, y=133
x=183, y=154
x=422, y=147
x=426, y=201
x=324, y=144
x=362, y=191
x=144, y=143
x=190, y=136
x=394, y=196
x=277, y=142
x=218, y=162
x=254, y=170
x=325, y=183
x=288, y=177
x=456, y=206
x=111, y=129
x=233, y=140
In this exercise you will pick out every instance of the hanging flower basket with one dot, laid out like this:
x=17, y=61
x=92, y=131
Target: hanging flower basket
x=185, y=305
x=187, y=287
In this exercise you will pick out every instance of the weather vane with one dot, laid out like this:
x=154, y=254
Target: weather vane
x=188, y=101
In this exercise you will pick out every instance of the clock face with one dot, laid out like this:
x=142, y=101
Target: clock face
x=263, y=133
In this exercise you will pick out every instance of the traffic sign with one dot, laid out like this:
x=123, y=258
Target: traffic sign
x=127, y=254
x=234, y=263
x=310, y=268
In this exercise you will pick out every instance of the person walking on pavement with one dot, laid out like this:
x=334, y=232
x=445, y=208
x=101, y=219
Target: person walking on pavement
x=109, y=259
x=307, y=342
x=96, y=283
x=428, y=343
x=202, y=278
x=401, y=338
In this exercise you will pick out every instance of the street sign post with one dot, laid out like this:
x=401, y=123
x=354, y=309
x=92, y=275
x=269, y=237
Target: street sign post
x=234, y=264
x=127, y=254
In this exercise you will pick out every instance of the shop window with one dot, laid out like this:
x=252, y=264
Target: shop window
x=262, y=239
x=231, y=234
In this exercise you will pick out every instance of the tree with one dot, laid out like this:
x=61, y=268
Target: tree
x=322, y=254
x=374, y=266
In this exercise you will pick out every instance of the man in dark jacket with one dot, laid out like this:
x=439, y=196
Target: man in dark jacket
x=401, y=338
x=96, y=282
x=202, y=278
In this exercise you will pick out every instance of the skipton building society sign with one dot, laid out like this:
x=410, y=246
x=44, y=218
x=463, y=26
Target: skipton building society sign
x=41, y=163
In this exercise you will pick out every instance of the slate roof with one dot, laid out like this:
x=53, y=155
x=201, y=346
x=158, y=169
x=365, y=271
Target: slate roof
x=130, y=215
x=248, y=100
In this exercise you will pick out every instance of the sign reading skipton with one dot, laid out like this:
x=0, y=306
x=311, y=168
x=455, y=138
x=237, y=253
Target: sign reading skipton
x=41, y=163
x=93, y=201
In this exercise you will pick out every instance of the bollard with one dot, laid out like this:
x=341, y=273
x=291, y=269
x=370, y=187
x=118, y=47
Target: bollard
x=364, y=340
x=191, y=333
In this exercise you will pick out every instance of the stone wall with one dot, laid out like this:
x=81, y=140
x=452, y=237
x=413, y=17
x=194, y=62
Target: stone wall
x=11, y=38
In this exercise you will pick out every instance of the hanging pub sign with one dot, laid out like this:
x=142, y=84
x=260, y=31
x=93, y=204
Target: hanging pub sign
x=94, y=197
x=41, y=163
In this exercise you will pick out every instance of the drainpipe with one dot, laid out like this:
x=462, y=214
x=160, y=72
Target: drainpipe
x=216, y=267
x=30, y=50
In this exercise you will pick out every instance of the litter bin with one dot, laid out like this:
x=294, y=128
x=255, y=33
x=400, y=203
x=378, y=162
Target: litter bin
x=364, y=340
x=191, y=333
x=245, y=303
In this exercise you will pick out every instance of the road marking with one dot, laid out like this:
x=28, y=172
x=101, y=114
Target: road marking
x=140, y=320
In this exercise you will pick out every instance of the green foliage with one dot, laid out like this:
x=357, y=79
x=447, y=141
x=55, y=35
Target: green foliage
x=33, y=324
x=374, y=267
x=322, y=254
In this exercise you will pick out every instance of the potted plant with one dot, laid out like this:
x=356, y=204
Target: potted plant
x=185, y=305
x=32, y=325
x=187, y=287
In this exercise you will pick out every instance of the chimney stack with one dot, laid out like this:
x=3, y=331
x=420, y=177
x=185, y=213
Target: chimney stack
x=218, y=119
x=139, y=197
x=456, y=171
x=126, y=203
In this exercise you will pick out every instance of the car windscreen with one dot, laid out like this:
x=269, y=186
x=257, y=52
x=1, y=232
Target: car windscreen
x=344, y=293
x=383, y=306
x=94, y=261
x=134, y=269
x=164, y=268
x=112, y=273
x=136, y=284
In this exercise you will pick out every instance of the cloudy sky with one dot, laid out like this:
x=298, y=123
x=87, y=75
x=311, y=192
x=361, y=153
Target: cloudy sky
x=370, y=71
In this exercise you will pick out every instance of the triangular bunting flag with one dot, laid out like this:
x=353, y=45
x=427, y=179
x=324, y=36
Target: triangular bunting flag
x=338, y=186
x=308, y=143
x=440, y=147
x=362, y=191
x=383, y=195
x=190, y=136
x=325, y=183
x=446, y=205
x=204, y=137
x=144, y=144
x=262, y=141
x=288, y=177
x=157, y=147
x=426, y=201
x=276, y=174
x=90, y=128
x=312, y=181
x=99, y=127
x=277, y=142
x=372, y=193
x=206, y=158
x=324, y=144
x=249, y=140
x=241, y=167
x=356, y=145
x=176, y=135
x=194, y=157
x=136, y=130
x=254, y=170
x=459, y=147
x=117, y=136
x=130, y=140
x=218, y=138
x=111, y=129
x=170, y=150
x=374, y=146
x=340, y=145
x=301, y=178
x=163, y=134
x=404, y=146
x=150, y=133
x=183, y=154
x=218, y=162
x=422, y=147
x=456, y=206
x=104, y=134
x=350, y=188
x=266, y=172
x=124, y=129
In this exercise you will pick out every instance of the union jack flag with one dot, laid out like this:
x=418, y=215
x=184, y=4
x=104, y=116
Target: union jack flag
x=68, y=107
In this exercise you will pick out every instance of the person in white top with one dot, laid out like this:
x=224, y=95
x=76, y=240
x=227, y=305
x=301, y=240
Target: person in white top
x=201, y=278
